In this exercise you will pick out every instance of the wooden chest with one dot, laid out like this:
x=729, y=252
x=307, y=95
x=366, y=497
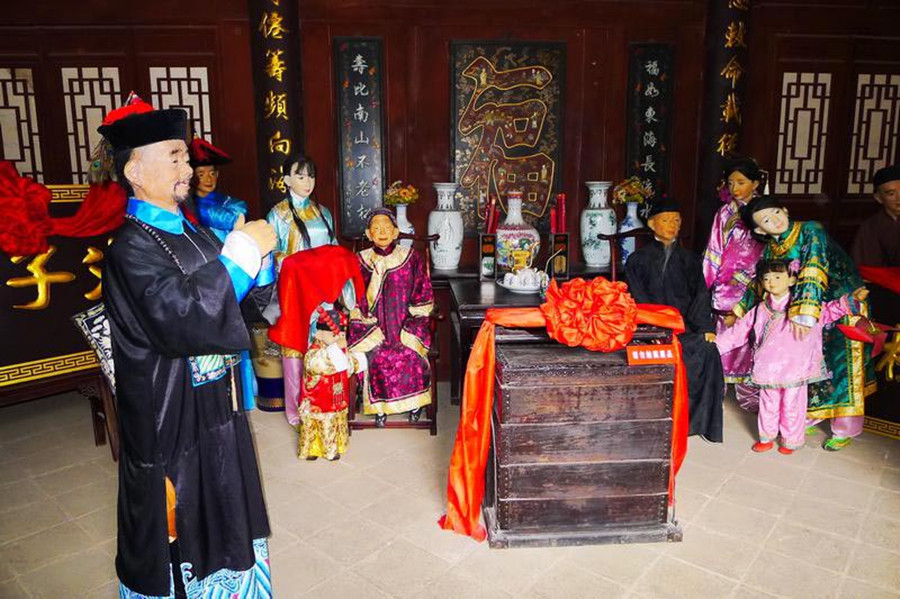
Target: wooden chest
x=581, y=447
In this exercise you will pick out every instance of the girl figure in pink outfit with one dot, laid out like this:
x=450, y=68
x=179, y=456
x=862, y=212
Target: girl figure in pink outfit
x=783, y=363
x=729, y=264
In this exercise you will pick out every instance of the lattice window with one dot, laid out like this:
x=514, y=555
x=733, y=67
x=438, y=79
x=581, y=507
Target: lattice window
x=876, y=126
x=187, y=88
x=89, y=93
x=19, y=136
x=802, y=133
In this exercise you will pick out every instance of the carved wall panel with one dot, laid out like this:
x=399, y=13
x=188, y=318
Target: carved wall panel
x=802, y=133
x=187, y=88
x=19, y=133
x=88, y=94
x=876, y=125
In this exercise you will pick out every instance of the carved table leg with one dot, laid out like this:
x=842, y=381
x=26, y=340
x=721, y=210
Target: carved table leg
x=91, y=391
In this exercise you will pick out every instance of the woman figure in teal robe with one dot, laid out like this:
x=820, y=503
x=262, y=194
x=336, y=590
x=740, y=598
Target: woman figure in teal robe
x=824, y=273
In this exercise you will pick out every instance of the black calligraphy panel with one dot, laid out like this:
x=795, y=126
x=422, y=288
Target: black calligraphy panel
x=360, y=130
x=507, y=100
x=650, y=71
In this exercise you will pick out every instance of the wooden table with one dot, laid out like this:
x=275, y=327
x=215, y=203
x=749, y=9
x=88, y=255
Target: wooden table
x=470, y=299
x=440, y=279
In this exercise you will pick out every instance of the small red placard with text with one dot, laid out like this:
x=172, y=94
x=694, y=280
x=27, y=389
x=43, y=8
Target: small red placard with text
x=643, y=355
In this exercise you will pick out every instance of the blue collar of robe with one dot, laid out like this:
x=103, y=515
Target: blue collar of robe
x=170, y=222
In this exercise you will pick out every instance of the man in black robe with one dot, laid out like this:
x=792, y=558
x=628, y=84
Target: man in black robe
x=665, y=273
x=191, y=513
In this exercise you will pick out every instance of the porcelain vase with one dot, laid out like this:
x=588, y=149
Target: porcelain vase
x=629, y=223
x=517, y=242
x=404, y=225
x=597, y=218
x=446, y=221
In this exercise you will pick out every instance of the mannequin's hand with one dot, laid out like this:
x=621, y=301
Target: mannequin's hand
x=800, y=331
x=262, y=233
x=710, y=337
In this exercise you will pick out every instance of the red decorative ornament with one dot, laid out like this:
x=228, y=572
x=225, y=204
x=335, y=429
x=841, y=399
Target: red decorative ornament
x=599, y=315
x=133, y=105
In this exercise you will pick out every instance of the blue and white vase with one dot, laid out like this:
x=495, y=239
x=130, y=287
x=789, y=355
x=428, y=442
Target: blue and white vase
x=597, y=218
x=404, y=225
x=629, y=223
x=447, y=222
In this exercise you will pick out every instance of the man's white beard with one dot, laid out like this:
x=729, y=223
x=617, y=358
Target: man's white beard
x=182, y=200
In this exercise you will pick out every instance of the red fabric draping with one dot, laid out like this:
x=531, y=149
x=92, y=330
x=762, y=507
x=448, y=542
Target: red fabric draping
x=307, y=279
x=102, y=210
x=886, y=276
x=25, y=222
x=24, y=217
x=465, y=479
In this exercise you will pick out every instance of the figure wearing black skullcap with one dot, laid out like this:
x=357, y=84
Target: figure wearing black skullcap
x=191, y=515
x=663, y=272
x=877, y=240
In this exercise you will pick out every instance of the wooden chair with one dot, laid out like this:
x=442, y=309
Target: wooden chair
x=103, y=412
x=429, y=420
x=613, y=240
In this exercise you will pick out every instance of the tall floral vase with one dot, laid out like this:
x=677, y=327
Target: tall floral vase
x=404, y=225
x=447, y=222
x=629, y=223
x=595, y=219
x=517, y=242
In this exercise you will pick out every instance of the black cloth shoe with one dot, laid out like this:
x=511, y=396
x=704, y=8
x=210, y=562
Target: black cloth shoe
x=380, y=420
x=414, y=415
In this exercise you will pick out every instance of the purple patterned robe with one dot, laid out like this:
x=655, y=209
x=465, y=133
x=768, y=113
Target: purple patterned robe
x=392, y=326
x=729, y=265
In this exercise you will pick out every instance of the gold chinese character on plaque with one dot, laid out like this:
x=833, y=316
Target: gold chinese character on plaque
x=739, y=4
x=733, y=70
x=727, y=143
x=92, y=257
x=276, y=180
x=275, y=67
x=275, y=105
x=279, y=144
x=272, y=26
x=731, y=111
x=734, y=35
x=40, y=278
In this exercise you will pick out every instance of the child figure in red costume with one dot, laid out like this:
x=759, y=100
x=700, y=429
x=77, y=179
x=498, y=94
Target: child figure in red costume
x=315, y=288
x=324, y=396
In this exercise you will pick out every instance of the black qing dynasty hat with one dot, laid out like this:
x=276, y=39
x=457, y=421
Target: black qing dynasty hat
x=886, y=175
x=662, y=204
x=138, y=124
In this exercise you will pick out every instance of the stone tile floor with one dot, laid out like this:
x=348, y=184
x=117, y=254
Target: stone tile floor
x=813, y=524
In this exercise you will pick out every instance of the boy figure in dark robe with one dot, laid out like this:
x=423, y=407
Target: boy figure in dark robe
x=665, y=273
x=191, y=516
